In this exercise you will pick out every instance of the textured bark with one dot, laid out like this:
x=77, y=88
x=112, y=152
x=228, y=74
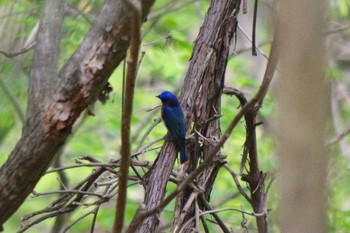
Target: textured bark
x=17, y=175
x=208, y=64
x=202, y=90
x=155, y=185
x=55, y=103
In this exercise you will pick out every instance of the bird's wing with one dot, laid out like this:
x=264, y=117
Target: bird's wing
x=174, y=121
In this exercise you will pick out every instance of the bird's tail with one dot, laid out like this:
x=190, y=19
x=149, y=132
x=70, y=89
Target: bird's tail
x=183, y=157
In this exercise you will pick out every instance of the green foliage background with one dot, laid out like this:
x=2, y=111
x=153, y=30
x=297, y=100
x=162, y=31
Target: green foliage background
x=167, y=42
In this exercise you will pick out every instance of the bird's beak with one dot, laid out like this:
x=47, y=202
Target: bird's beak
x=157, y=96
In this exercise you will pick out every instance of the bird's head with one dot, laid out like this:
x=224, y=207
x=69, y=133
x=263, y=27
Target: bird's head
x=168, y=99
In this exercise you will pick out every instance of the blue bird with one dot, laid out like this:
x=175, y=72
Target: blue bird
x=173, y=118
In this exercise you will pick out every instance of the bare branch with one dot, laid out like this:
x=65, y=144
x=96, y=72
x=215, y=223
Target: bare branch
x=239, y=187
x=155, y=123
x=255, y=15
x=78, y=219
x=15, y=54
x=249, y=39
x=226, y=209
x=338, y=138
x=125, y=150
x=112, y=165
x=35, y=194
x=173, y=6
x=220, y=222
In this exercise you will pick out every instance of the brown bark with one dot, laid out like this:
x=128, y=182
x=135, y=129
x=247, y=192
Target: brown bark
x=155, y=187
x=208, y=64
x=55, y=103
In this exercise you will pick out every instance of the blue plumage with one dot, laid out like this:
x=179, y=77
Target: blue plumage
x=173, y=118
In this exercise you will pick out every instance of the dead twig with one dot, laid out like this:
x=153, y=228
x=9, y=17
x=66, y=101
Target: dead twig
x=15, y=54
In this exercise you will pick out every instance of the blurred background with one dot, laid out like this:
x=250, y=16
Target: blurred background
x=168, y=37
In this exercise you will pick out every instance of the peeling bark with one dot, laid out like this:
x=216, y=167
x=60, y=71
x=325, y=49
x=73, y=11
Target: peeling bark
x=56, y=103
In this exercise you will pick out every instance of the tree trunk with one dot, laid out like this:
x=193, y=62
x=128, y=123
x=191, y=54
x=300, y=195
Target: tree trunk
x=208, y=64
x=55, y=103
x=303, y=104
x=202, y=90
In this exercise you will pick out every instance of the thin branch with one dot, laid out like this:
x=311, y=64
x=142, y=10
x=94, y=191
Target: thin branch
x=24, y=227
x=79, y=11
x=273, y=177
x=125, y=151
x=35, y=194
x=340, y=29
x=225, y=209
x=155, y=123
x=336, y=116
x=61, y=202
x=255, y=15
x=95, y=212
x=111, y=165
x=338, y=138
x=234, y=209
x=243, y=50
x=185, y=209
x=249, y=39
x=65, y=204
x=77, y=220
x=141, y=125
x=239, y=187
x=173, y=6
x=15, y=54
x=220, y=222
x=205, y=225
x=225, y=198
x=156, y=15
